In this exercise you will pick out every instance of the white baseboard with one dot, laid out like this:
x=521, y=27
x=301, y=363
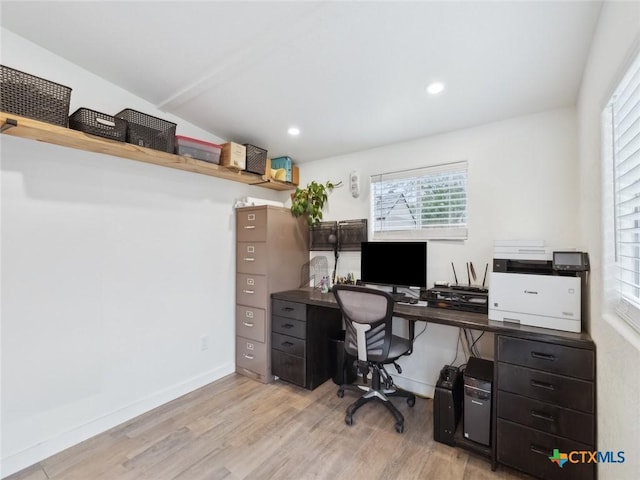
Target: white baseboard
x=419, y=388
x=44, y=449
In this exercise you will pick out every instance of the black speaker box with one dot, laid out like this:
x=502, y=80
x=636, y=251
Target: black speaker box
x=447, y=405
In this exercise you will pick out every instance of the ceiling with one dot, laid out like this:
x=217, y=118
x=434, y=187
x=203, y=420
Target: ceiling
x=350, y=75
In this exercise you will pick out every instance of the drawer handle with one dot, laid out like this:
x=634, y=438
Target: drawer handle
x=249, y=227
x=543, y=356
x=249, y=291
x=542, y=416
x=247, y=324
x=249, y=259
x=287, y=325
x=546, y=386
x=248, y=357
x=287, y=344
x=287, y=309
x=540, y=450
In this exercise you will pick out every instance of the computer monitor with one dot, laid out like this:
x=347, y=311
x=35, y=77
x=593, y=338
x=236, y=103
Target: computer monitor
x=396, y=264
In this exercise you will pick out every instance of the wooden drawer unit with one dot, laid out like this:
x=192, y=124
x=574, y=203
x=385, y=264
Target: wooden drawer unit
x=529, y=450
x=271, y=249
x=545, y=400
x=251, y=257
x=549, y=357
x=251, y=323
x=300, y=342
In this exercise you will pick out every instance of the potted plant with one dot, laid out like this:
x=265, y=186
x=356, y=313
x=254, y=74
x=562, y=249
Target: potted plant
x=311, y=200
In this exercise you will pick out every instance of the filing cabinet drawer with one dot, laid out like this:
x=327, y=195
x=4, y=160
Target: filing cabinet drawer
x=561, y=359
x=288, y=367
x=251, y=257
x=529, y=450
x=251, y=290
x=546, y=417
x=287, y=344
x=557, y=389
x=289, y=326
x=251, y=225
x=251, y=323
x=252, y=356
x=288, y=309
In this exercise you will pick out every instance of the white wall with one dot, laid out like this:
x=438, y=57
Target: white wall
x=618, y=360
x=522, y=184
x=112, y=272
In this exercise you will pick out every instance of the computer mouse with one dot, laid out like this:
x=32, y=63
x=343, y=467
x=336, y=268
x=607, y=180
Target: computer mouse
x=413, y=301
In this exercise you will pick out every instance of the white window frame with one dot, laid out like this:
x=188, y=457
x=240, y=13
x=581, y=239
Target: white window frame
x=621, y=174
x=384, y=228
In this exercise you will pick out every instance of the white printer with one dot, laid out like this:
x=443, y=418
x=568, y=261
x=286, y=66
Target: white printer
x=534, y=285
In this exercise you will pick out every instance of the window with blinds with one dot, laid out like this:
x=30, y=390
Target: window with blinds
x=424, y=203
x=622, y=151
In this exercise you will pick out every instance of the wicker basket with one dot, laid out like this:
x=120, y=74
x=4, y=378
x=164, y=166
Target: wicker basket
x=100, y=124
x=149, y=131
x=33, y=97
x=256, y=159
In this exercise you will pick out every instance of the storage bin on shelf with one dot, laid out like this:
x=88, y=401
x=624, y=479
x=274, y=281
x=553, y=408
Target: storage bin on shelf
x=256, y=159
x=234, y=155
x=33, y=97
x=148, y=131
x=198, y=149
x=100, y=124
x=286, y=163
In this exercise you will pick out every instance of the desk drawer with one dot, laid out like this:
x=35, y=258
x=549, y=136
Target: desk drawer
x=251, y=257
x=288, y=309
x=287, y=344
x=251, y=323
x=288, y=367
x=251, y=225
x=575, y=362
x=289, y=326
x=251, y=290
x=546, y=417
x=529, y=450
x=560, y=390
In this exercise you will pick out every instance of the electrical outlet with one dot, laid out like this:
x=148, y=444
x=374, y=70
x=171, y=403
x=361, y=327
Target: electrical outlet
x=204, y=342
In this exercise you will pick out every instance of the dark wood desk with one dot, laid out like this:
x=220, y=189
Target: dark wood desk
x=544, y=385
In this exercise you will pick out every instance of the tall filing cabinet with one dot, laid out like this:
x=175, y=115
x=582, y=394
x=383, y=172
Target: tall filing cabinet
x=546, y=400
x=272, y=247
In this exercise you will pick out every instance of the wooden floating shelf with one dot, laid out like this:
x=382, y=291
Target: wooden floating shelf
x=17, y=126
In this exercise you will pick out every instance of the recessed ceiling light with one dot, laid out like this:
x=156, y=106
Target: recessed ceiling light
x=294, y=131
x=435, y=88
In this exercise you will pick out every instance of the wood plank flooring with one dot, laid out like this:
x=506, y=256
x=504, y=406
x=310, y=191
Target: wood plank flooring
x=237, y=428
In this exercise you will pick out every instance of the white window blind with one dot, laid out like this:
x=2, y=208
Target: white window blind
x=622, y=118
x=424, y=203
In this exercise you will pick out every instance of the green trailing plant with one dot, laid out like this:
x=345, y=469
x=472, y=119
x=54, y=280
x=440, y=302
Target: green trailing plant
x=311, y=200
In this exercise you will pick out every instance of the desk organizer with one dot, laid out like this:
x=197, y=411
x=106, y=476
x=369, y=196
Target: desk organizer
x=33, y=97
x=100, y=124
x=148, y=131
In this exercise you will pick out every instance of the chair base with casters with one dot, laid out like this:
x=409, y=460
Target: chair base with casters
x=381, y=389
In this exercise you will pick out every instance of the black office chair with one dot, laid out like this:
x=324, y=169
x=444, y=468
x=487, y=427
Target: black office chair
x=368, y=315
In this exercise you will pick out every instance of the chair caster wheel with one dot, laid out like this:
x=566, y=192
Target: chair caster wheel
x=399, y=427
x=340, y=393
x=348, y=420
x=411, y=401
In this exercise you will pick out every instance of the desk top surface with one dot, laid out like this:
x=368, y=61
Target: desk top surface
x=454, y=318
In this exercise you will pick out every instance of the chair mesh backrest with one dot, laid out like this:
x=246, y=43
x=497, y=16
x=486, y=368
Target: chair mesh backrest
x=366, y=306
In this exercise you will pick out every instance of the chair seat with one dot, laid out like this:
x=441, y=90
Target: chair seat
x=398, y=347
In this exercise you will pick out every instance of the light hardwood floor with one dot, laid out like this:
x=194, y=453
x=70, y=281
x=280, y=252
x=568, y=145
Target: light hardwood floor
x=237, y=428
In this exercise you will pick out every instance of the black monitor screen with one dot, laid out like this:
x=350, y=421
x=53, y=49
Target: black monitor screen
x=401, y=264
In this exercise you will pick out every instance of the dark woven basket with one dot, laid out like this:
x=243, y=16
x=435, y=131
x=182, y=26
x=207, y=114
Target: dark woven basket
x=33, y=97
x=100, y=124
x=256, y=159
x=149, y=131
